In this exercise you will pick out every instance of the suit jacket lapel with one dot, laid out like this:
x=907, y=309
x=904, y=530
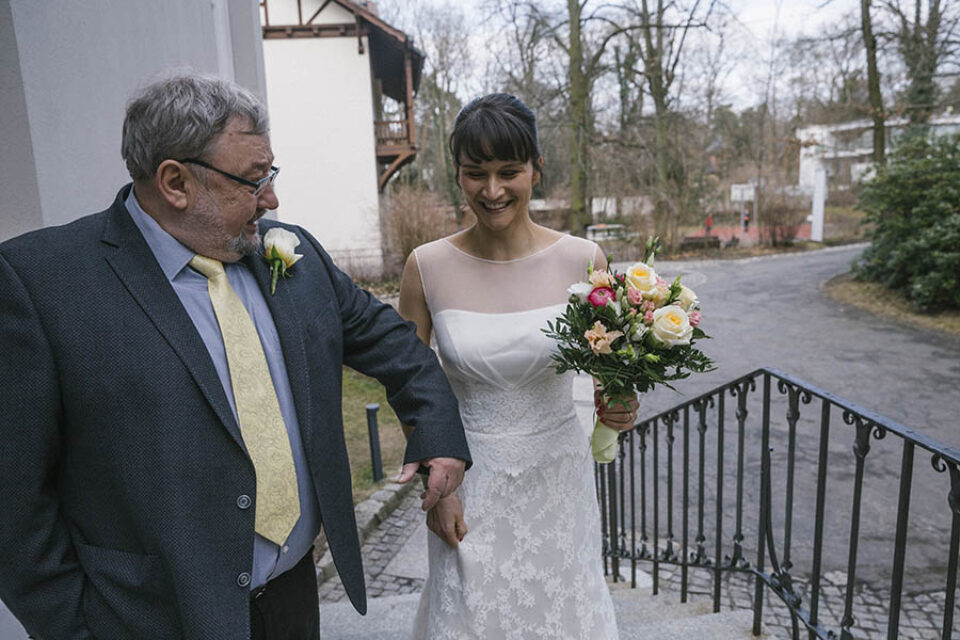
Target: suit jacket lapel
x=136, y=267
x=286, y=316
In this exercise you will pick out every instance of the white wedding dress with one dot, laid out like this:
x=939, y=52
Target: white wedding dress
x=530, y=565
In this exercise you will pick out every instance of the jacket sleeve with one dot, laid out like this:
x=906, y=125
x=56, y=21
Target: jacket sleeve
x=379, y=343
x=41, y=580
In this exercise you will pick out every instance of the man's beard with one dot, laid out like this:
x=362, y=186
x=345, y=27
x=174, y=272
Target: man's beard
x=245, y=246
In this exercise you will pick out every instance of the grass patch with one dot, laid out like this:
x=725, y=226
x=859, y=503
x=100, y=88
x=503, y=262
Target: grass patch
x=845, y=224
x=358, y=391
x=879, y=300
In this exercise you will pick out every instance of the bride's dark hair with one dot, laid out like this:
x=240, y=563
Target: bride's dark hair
x=497, y=126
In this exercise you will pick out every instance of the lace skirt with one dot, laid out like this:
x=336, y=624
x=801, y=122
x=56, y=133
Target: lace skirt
x=530, y=564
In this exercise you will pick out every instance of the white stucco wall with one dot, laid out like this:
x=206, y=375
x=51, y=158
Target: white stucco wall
x=74, y=65
x=321, y=112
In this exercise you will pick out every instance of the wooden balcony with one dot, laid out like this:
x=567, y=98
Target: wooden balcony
x=395, y=147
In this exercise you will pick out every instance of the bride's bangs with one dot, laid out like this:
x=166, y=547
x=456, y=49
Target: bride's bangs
x=491, y=136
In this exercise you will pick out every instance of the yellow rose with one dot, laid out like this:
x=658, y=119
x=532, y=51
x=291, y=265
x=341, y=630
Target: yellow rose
x=642, y=277
x=671, y=326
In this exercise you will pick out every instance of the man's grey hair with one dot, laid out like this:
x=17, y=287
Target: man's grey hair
x=180, y=117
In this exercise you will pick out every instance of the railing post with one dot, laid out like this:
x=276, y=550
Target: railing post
x=375, y=459
x=900, y=546
x=612, y=497
x=764, y=506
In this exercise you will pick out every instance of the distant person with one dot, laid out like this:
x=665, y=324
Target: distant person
x=746, y=222
x=709, y=222
x=529, y=567
x=171, y=427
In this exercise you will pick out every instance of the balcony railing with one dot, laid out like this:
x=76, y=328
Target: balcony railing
x=391, y=133
x=802, y=480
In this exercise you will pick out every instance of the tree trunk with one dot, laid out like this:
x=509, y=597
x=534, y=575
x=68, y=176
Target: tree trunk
x=873, y=85
x=579, y=123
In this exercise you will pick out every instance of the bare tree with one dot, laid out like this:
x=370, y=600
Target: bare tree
x=923, y=45
x=663, y=30
x=877, y=113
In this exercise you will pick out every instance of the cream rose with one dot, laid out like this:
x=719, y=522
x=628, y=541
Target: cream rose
x=659, y=295
x=671, y=326
x=687, y=300
x=643, y=278
x=281, y=244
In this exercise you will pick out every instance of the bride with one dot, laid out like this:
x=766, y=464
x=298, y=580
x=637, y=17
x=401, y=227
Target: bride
x=531, y=565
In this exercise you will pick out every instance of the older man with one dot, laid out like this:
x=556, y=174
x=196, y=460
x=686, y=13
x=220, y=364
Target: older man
x=170, y=426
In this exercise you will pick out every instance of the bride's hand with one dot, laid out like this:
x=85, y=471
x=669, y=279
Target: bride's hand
x=446, y=520
x=620, y=413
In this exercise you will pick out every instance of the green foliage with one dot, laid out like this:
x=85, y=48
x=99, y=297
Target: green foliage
x=914, y=203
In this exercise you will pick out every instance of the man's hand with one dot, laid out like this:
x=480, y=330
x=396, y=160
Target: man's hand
x=446, y=520
x=446, y=474
x=620, y=413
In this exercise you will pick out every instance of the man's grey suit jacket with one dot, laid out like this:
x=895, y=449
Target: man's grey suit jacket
x=121, y=465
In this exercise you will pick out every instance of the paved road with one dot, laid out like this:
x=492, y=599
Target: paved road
x=771, y=311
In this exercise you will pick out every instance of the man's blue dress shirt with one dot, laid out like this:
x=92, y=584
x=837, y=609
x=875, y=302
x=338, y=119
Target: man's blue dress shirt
x=269, y=560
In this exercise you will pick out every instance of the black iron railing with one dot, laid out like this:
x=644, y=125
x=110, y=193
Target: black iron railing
x=805, y=466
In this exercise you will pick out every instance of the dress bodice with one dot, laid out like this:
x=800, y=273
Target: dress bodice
x=488, y=318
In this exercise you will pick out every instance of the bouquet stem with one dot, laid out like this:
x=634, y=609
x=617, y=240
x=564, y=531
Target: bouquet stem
x=603, y=442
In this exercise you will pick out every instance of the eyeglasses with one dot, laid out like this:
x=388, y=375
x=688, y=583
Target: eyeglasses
x=258, y=185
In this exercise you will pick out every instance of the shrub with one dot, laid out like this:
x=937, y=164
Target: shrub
x=414, y=216
x=781, y=218
x=914, y=204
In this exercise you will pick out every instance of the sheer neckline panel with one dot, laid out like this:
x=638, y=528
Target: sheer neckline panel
x=454, y=279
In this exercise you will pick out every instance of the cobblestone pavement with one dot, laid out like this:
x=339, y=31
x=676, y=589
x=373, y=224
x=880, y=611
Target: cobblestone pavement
x=921, y=614
x=378, y=550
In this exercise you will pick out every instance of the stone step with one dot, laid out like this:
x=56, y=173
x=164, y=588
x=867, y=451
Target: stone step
x=640, y=616
x=726, y=625
x=389, y=618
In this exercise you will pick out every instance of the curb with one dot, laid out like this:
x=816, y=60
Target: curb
x=369, y=514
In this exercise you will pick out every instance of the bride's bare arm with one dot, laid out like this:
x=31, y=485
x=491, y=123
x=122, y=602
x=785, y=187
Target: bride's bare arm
x=446, y=518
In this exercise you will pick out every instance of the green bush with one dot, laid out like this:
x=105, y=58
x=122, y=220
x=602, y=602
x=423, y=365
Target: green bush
x=914, y=203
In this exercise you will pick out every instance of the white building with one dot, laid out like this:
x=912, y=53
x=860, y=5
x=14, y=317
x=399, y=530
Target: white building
x=66, y=72
x=334, y=73
x=845, y=151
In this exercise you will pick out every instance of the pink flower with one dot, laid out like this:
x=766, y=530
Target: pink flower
x=600, y=295
x=600, y=339
x=648, y=317
x=694, y=318
x=634, y=296
x=661, y=281
x=648, y=306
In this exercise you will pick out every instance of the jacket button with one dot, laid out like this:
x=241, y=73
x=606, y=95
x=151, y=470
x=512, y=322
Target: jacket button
x=244, y=501
x=243, y=580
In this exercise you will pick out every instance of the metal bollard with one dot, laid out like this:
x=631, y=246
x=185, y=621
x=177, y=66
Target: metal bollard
x=375, y=459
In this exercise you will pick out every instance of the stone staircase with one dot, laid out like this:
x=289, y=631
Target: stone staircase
x=640, y=616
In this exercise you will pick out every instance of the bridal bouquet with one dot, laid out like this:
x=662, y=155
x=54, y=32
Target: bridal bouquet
x=631, y=332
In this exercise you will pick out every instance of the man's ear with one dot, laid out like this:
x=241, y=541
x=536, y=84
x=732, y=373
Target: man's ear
x=174, y=184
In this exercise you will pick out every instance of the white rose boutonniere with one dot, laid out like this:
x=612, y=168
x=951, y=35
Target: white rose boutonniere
x=278, y=250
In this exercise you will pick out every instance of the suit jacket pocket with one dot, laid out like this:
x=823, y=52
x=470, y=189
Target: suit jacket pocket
x=126, y=595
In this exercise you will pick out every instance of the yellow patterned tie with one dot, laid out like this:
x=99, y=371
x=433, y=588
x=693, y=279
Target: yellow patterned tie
x=261, y=423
